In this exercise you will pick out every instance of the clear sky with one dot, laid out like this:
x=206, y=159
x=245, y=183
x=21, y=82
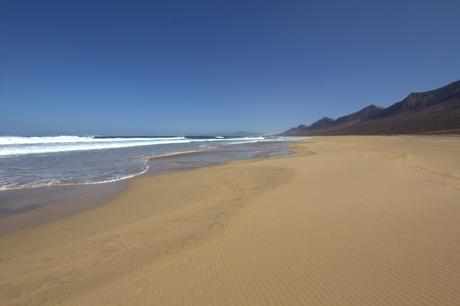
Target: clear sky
x=201, y=67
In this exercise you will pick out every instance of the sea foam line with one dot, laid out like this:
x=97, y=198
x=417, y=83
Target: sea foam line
x=59, y=183
x=17, y=140
x=22, y=149
x=15, y=145
x=175, y=154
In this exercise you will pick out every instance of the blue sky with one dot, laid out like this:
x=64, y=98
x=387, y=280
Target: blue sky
x=204, y=67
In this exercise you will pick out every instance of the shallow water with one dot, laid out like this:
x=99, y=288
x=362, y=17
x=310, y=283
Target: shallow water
x=21, y=208
x=35, y=162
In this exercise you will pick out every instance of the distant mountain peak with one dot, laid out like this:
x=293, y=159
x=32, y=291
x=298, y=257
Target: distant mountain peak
x=373, y=106
x=323, y=120
x=321, y=123
x=434, y=110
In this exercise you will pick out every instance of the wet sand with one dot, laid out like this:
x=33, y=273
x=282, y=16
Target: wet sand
x=343, y=221
x=24, y=208
x=32, y=207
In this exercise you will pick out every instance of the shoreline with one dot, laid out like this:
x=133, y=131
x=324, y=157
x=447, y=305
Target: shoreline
x=341, y=221
x=24, y=208
x=33, y=207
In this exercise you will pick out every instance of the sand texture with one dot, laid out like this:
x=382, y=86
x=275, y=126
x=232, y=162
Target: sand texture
x=344, y=221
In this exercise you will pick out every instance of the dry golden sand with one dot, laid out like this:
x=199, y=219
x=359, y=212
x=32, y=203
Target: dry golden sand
x=345, y=221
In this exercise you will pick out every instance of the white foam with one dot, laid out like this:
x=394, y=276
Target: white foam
x=58, y=182
x=174, y=154
x=16, y=145
x=13, y=140
x=36, y=145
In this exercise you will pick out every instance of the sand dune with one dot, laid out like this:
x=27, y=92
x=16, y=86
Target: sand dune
x=344, y=221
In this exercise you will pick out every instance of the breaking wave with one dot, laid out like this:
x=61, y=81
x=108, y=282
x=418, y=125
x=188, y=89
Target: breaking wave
x=16, y=145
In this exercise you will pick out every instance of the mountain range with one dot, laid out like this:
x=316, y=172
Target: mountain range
x=431, y=112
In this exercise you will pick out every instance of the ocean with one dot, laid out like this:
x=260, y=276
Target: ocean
x=31, y=162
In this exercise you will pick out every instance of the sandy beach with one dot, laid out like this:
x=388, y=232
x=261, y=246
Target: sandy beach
x=343, y=221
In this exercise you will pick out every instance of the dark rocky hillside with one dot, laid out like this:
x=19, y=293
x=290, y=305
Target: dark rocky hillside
x=435, y=111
